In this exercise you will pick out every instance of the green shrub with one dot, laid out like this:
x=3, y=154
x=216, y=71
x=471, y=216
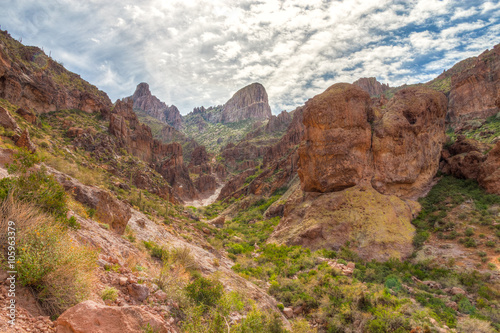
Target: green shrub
x=109, y=293
x=204, y=291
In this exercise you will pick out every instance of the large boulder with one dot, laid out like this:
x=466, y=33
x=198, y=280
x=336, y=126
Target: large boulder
x=335, y=152
x=24, y=141
x=7, y=121
x=407, y=142
x=108, y=209
x=90, y=316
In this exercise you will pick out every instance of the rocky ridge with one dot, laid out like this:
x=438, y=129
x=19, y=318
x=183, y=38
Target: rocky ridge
x=150, y=104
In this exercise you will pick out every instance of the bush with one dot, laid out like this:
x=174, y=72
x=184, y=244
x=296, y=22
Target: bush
x=204, y=291
x=60, y=271
x=109, y=293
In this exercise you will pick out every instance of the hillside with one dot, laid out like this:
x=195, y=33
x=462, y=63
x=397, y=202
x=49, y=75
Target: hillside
x=367, y=209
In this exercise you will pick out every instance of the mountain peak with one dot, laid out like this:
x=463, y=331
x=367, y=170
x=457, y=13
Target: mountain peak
x=250, y=102
x=145, y=101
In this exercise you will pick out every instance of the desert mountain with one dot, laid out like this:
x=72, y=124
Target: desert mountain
x=368, y=209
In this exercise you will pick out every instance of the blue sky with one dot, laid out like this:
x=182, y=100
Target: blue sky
x=195, y=53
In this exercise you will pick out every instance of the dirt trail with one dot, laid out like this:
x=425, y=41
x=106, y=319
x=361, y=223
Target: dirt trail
x=206, y=201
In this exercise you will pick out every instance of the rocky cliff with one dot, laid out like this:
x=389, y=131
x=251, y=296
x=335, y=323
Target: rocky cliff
x=249, y=102
x=31, y=79
x=150, y=104
x=371, y=86
x=167, y=159
x=475, y=87
x=358, y=169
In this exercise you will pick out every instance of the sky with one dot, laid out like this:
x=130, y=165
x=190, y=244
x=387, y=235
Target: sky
x=195, y=53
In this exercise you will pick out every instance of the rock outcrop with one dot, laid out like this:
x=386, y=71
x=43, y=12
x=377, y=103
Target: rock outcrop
x=376, y=226
x=407, y=142
x=109, y=210
x=335, y=153
x=475, y=87
x=7, y=121
x=371, y=86
x=250, y=102
x=278, y=123
x=359, y=169
x=150, y=104
x=32, y=80
x=340, y=150
x=489, y=175
x=24, y=141
x=90, y=316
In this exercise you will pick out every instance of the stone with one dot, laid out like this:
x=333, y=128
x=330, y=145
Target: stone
x=90, y=316
x=138, y=291
x=377, y=226
x=457, y=291
x=7, y=121
x=288, y=312
x=218, y=222
x=122, y=281
x=73, y=132
x=27, y=115
x=24, y=141
x=411, y=132
x=489, y=175
x=474, y=91
x=161, y=295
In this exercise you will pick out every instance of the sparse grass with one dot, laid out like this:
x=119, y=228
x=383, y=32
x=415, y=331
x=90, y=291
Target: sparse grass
x=109, y=293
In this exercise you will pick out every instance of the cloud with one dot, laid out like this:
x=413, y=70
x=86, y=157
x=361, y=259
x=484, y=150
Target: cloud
x=200, y=52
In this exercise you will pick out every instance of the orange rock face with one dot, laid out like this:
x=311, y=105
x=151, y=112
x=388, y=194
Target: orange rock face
x=475, y=91
x=489, y=176
x=407, y=142
x=397, y=154
x=90, y=316
x=335, y=153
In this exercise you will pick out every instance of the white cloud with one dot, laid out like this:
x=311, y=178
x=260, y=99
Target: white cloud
x=200, y=52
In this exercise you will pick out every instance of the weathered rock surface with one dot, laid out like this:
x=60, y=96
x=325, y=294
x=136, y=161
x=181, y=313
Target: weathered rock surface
x=250, y=102
x=32, y=80
x=7, y=121
x=475, y=87
x=90, y=316
x=407, y=142
x=335, y=153
x=279, y=123
x=199, y=156
x=145, y=101
x=371, y=86
x=27, y=115
x=206, y=184
x=24, y=141
x=489, y=175
x=376, y=225
x=109, y=210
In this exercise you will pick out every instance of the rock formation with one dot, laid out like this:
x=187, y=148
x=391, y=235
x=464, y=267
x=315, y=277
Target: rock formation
x=150, y=104
x=167, y=159
x=109, y=210
x=32, y=80
x=371, y=86
x=377, y=226
x=475, y=87
x=335, y=153
x=249, y=102
x=278, y=123
x=359, y=169
x=407, y=142
x=489, y=175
